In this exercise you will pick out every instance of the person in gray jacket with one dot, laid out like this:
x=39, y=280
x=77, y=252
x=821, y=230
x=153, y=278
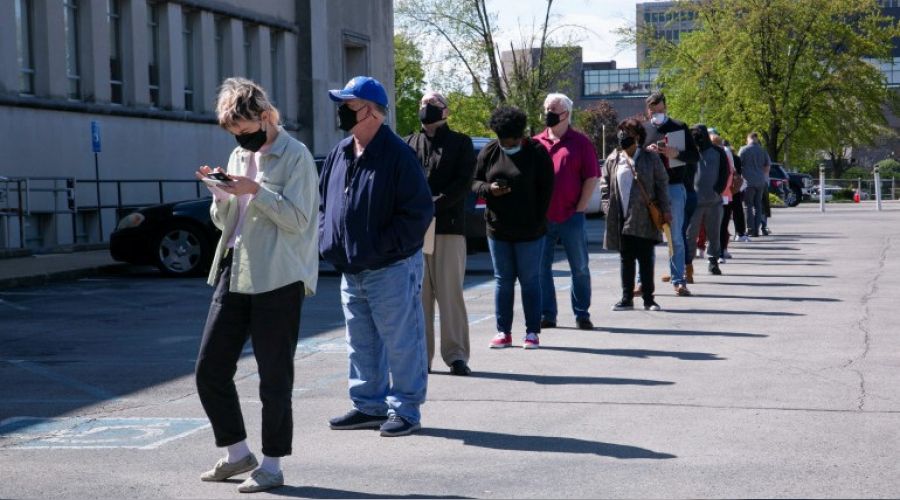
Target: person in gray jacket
x=755, y=169
x=628, y=174
x=709, y=182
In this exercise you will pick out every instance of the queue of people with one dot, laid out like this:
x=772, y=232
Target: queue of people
x=388, y=214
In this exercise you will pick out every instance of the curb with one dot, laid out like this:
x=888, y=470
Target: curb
x=68, y=275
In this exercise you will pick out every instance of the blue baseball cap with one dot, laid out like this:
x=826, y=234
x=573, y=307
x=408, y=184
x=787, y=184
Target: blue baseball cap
x=361, y=87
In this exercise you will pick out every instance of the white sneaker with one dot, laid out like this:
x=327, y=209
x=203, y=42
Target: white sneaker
x=744, y=239
x=727, y=255
x=701, y=253
x=721, y=260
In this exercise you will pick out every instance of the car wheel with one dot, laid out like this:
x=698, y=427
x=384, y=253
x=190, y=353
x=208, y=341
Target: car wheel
x=182, y=250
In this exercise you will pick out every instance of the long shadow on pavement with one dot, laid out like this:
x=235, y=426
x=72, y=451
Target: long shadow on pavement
x=639, y=353
x=767, y=285
x=316, y=492
x=731, y=312
x=567, y=380
x=789, y=299
x=544, y=444
x=679, y=333
x=796, y=276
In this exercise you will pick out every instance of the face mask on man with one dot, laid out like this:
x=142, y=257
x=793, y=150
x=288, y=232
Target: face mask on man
x=511, y=151
x=551, y=119
x=346, y=118
x=252, y=141
x=430, y=114
x=658, y=118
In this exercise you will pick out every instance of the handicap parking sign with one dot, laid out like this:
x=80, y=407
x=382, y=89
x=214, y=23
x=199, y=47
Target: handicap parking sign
x=82, y=432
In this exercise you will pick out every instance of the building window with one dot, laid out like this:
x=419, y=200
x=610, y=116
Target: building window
x=250, y=63
x=24, y=17
x=70, y=13
x=220, y=25
x=153, y=58
x=114, y=17
x=275, y=52
x=188, y=33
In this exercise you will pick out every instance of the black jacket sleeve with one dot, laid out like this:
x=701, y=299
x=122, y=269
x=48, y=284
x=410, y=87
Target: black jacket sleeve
x=480, y=185
x=456, y=190
x=724, y=172
x=545, y=176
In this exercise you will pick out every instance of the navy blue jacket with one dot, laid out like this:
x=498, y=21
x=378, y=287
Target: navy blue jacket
x=375, y=209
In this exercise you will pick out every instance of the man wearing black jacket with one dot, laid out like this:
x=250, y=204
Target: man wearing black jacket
x=449, y=162
x=675, y=158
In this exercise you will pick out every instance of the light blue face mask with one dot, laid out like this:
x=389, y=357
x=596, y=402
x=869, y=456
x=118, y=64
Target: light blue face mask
x=511, y=151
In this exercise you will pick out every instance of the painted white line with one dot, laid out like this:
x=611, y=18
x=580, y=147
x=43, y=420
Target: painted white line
x=173, y=438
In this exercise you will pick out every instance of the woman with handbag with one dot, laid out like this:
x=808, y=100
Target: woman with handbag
x=634, y=194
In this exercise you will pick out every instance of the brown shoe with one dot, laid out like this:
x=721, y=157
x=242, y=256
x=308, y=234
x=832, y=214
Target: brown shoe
x=682, y=291
x=666, y=278
x=689, y=273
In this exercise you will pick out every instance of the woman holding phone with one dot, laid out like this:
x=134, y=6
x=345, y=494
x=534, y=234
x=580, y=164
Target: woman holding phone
x=514, y=174
x=265, y=202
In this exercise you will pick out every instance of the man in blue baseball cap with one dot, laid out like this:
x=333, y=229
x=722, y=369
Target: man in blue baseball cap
x=375, y=209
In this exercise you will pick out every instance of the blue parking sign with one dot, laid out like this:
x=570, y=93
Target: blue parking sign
x=95, y=136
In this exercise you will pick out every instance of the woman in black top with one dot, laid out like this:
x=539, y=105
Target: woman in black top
x=514, y=174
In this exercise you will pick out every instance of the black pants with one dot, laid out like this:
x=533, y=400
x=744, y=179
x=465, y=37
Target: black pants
x=737, y=210
x=724, y=237
x=631, y=249
x=272, y=322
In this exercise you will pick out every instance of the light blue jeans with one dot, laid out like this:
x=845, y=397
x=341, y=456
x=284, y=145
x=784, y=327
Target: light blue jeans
x=517, y=260
x=677, y=198
x=386, y=339
x=573, y=236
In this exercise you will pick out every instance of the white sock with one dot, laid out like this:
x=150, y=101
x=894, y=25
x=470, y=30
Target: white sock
x=237, y=452
x=271, y=464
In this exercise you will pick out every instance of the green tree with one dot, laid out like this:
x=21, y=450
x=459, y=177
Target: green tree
x=596, y=119
x=409, y=81
x=469, y=114
x=888, y=168
x=799, y=72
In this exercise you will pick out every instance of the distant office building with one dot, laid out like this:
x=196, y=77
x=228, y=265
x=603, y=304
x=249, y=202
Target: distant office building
x=667, y=21
x=147, y=71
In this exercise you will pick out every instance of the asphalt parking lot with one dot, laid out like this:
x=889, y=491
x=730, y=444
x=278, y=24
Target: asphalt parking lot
x=778, y=379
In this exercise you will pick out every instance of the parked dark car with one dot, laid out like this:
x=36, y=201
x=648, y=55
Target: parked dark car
x=779, y=185
x=476, y=230
x=797, y=186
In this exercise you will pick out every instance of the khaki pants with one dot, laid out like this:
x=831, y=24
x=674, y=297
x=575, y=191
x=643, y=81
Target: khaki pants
x=443, y=281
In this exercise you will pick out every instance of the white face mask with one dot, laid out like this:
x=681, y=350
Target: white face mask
x=658, y=119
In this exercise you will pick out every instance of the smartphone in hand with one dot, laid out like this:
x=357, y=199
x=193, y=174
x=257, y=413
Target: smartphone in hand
x=217, y=179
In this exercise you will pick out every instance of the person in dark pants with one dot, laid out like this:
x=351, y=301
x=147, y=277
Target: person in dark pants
x=514, y=174
x=449, y=162
x=265, y=263
x=632, y=178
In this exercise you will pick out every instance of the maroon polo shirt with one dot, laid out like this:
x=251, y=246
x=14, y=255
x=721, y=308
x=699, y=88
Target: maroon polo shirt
x=574, y=162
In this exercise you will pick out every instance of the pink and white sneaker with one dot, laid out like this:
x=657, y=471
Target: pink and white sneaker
x=501, y=340
x=531, y=341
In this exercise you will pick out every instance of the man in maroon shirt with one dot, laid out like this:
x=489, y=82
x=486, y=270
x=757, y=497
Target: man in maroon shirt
x=576, y=174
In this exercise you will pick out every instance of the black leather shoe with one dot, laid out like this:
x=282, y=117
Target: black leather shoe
x=624, y=305
x=459, y=367
x=546, y=323
x=584, y=324
x=355, y=419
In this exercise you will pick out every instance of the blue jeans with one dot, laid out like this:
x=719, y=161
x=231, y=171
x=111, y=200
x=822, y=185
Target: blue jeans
x=517, y=260
x=678, y=199
x=386, y=339
x=574, y=240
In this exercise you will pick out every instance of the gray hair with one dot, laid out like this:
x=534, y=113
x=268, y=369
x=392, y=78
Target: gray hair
x=562, y=99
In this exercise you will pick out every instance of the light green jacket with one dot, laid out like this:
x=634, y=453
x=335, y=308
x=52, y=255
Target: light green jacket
x=279, y=241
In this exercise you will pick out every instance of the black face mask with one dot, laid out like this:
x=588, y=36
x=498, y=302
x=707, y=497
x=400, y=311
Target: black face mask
x=430, y=114
x=346, y=118
x=625, y=140
x=252, y=141
x=551, y=119
x=701, y=138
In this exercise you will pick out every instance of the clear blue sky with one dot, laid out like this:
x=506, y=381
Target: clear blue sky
x=600, y=16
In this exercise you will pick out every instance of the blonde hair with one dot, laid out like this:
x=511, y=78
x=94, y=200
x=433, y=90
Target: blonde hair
x=243, y=99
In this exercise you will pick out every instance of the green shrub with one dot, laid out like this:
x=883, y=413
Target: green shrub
x=775, y=201
x=843, y=194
